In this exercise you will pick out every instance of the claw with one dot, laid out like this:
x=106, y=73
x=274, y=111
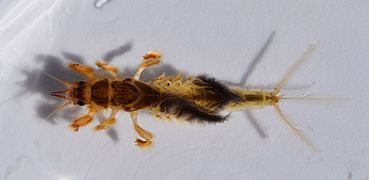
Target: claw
x=99, y=128
x=74, y=127
x=152, y=55
x=143, y=143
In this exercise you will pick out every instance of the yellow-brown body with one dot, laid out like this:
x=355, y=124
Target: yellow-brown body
x=187, y=102
x=200, y=98
x=132, y=95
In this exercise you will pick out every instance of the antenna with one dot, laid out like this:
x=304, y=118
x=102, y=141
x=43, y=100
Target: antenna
x=66, y=84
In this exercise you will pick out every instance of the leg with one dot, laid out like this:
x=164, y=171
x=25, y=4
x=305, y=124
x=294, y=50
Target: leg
x=111, y=69
x=147, y=136
x=82, y=121
x=82, y=69
x=151, y=58
x=107, y=122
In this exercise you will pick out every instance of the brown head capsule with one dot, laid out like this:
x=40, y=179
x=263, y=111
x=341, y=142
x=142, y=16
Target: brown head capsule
x=74, y=94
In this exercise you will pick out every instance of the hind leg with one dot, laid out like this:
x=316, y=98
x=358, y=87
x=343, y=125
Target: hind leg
x=82, y=121
x=147, y=136
x=150, y=59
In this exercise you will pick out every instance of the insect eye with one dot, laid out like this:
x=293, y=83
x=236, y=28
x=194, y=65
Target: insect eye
x=81, y=103
x=81, y=83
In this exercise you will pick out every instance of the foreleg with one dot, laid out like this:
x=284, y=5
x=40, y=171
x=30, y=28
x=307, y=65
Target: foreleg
x=83, y=69
x=82, y=121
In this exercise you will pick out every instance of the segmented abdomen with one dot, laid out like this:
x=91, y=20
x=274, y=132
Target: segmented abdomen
x=204, y=91
x=197, y=99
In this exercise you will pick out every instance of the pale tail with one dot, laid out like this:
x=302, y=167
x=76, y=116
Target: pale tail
x=283, y=82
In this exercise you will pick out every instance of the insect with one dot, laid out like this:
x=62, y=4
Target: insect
x=200, y=99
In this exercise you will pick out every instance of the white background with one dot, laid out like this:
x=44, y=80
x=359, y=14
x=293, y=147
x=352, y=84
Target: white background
x=225, y=39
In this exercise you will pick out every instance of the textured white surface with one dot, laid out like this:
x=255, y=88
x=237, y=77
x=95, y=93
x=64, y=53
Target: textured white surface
x=220, y=38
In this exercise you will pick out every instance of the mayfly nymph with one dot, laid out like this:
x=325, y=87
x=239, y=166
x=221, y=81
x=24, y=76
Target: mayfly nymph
x=199, y=99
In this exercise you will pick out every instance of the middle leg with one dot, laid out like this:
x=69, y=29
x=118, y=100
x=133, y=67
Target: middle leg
x=111, y=69
x=107, y=122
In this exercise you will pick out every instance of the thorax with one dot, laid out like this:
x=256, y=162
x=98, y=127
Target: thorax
x=125, y=94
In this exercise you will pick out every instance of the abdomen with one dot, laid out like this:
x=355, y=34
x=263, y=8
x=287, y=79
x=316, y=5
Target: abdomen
x=203, y=90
